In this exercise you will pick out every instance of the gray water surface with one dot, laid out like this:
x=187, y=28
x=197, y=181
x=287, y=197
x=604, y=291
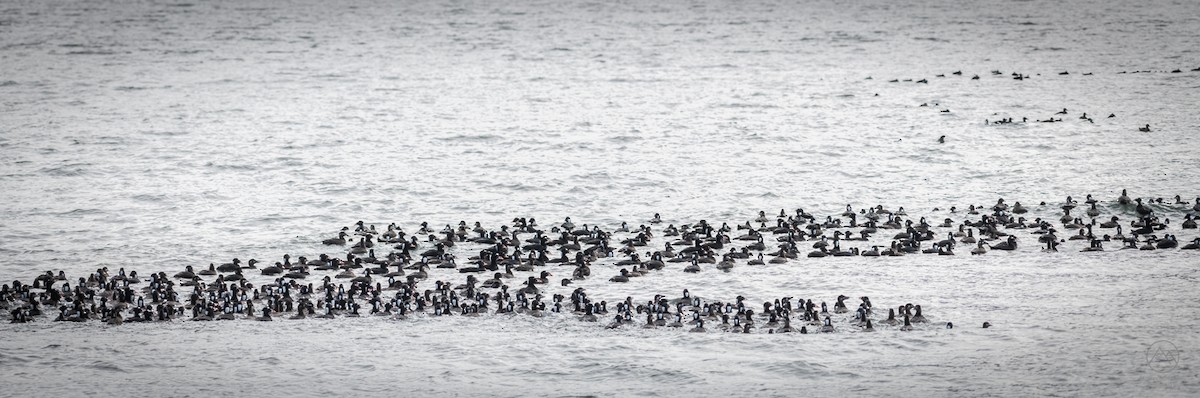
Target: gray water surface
x=153, y=135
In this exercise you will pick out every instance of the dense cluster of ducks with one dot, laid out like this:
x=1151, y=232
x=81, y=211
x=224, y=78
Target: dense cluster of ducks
x=694, y=313
x=362, y=284
x=116, y=301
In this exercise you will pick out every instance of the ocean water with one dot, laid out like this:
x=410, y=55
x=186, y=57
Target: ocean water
x=155, y=135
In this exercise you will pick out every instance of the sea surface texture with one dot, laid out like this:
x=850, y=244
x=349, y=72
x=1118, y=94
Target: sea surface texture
x=153, y=135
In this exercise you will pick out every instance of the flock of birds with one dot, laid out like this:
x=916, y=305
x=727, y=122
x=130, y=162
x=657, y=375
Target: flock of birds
x=396, y=285
x=1021, y=76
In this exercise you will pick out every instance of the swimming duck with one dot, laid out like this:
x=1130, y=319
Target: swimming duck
x=726, y=264
x=531, y=286
x=266, y=315
x=1051, y=244
x=1192, y=246
x=187, y=273
x=918, y=318
x=273, y=270
x=421, y=273
x=230, y=266
x=828, y=327
x=1124, y=198
x=339, y=240
x=297, y=273
x=1168, y=242
x=1111, y=223
x=1149, y=243
x=757, y=261
x=762, y=217
x=1142, y=209
x=678, y=323
x=787, y=326
x=891, y=319
x=616, y=323
x=816, y=253
x=212, y=270
x=1009, y=244
x=979, y=249
x=582, y=271
x=840, y=306
x=623, y=277
x=970, y=238
x=365, y=279
x=1189, y=222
